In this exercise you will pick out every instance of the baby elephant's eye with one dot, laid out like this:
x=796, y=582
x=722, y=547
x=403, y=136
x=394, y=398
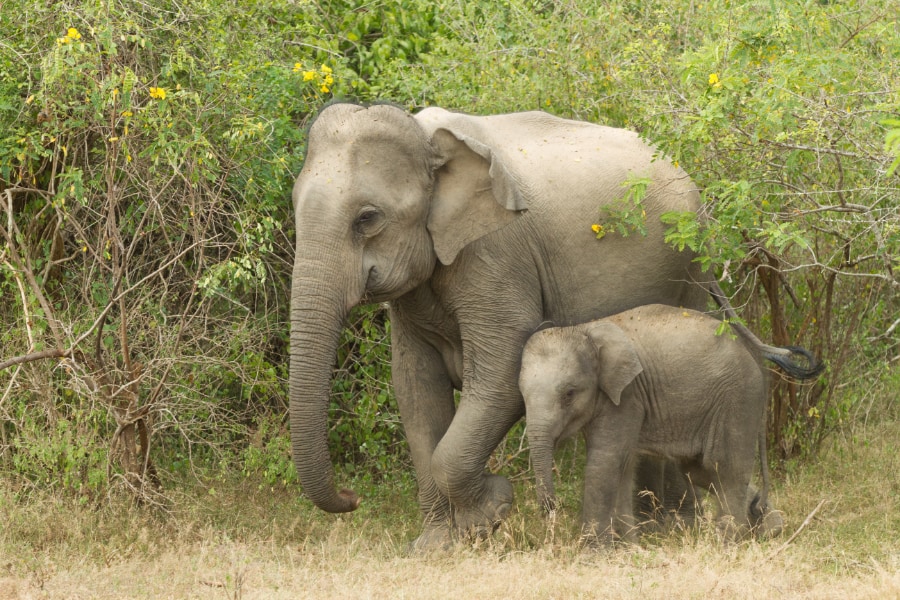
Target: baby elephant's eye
x=568, y=397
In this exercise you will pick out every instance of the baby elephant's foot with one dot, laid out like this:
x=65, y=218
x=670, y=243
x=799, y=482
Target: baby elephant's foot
x=770, y=525
x=595, y=538
x=482, y=519
x=767, y=522
x=730, y=529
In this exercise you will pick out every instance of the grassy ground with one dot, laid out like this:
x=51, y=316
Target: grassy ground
x=235, y=540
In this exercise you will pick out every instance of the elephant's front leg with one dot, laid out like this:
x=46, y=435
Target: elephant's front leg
x=480, y=500
x=425, y=397
x=490, y=403
x=607, y=512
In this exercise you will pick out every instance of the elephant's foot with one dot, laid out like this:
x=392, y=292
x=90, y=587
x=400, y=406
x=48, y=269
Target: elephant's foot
x=731, y=530
x=593, y=539
x=770, y=525
x=482, y=519
x=596, y=538
x=435, y=538
x=767, y=522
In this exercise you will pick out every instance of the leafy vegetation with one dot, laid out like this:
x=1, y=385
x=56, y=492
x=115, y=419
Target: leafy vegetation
x=147, y=153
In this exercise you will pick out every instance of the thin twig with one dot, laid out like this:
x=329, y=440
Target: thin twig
x=803, y=525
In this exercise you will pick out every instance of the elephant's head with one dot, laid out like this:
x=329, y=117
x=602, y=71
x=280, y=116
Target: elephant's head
x=567, y=373
x=379, y=201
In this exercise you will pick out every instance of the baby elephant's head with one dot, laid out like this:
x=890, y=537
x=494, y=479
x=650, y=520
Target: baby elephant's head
x=559, y=382
x=567, y=373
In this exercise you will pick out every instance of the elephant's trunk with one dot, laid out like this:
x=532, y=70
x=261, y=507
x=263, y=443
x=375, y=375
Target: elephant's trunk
x=319, y=305
x=541, y=449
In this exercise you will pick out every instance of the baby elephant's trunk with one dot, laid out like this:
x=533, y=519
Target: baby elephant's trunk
x=541, y=452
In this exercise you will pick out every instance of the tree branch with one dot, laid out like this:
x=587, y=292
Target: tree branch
x=25, y=358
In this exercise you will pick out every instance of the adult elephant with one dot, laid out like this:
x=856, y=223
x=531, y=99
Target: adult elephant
x=475, y=230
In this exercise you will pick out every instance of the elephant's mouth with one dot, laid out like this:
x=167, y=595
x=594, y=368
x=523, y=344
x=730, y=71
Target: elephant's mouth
x=373, y=290
x=371, y=287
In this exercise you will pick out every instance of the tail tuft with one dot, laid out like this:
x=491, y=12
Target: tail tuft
x=801, y=364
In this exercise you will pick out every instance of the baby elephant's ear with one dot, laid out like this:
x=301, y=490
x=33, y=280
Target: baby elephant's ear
x=618, y=363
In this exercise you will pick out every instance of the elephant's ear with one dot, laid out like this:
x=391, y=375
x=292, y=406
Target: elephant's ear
x=618, y=362
x=474, y=194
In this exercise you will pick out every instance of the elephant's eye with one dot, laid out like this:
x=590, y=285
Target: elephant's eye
x=367, y=221
x=568, y=396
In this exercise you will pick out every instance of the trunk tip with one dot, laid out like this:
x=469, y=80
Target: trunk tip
x=549, y=504
x=350, y=498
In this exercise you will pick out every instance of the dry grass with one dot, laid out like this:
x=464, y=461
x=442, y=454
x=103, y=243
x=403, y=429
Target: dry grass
x=343, y=568
x=243, y=543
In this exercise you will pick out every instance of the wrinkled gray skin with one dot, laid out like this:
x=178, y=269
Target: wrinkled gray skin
x=476, y=230
x=654, y=380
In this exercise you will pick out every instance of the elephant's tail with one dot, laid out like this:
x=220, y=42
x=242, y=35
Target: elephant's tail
x=807, y=367
x=793, y=360
x=762, y=500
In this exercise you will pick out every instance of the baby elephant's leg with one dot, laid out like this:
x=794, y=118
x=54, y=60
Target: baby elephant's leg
x=729, y=487
x=733, y=502
x=624, y=522
x=608, y=479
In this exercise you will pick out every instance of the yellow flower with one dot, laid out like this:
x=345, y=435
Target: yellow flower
x=158, y=93
x=309, y=75
x=73, y=34
x=326, y=69
x=324, y=89
x=714, y=80
x=297, y=67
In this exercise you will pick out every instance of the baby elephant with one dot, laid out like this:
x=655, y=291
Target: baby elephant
x=656, y=380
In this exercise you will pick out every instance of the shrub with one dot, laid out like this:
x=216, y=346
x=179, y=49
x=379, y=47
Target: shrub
x=146, y=158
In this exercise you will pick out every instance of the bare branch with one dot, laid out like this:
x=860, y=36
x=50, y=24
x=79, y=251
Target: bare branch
x=887, y=332
x=26, y=358
x=803, y=525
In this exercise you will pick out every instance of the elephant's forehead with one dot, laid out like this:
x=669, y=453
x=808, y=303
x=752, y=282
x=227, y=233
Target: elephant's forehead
x=342, y=179
x=553, y=368
x=356, y=161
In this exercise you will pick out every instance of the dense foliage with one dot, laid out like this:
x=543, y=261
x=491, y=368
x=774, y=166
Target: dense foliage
x=147, y=152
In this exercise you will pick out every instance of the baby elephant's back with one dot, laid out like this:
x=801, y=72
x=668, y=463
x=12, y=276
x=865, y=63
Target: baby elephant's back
x=692, y=346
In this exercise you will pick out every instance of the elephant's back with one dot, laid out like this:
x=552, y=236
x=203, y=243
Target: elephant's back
x=567, y=171
x=682, y=337
x=571, y=164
